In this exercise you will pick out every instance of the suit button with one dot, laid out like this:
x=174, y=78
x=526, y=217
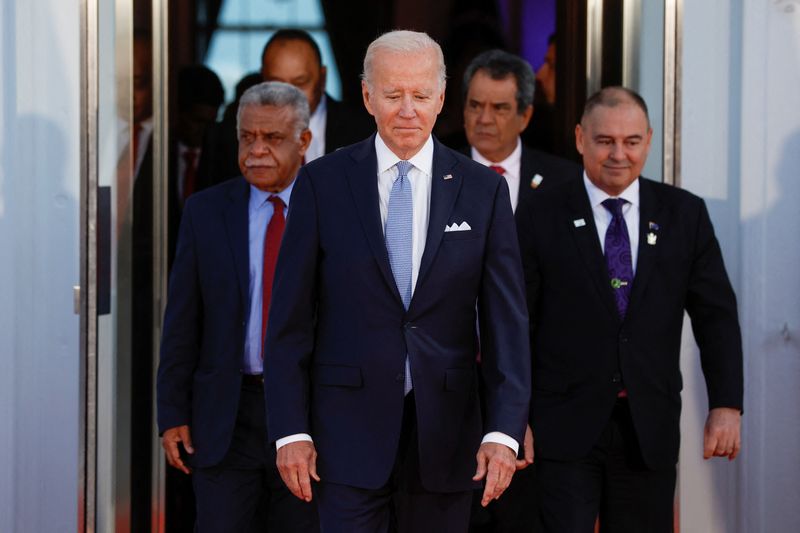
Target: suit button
x=616, y=378
x=623, y=339
x=400, y=378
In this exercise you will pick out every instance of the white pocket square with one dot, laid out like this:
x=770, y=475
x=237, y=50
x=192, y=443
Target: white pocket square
x=457, y=227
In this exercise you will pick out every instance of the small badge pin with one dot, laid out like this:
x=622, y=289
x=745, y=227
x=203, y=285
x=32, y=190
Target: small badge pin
x=652, y=226
x=651, y=238
x=448, y=176
x=536, y=181
x=616, y=283
x=579, y=222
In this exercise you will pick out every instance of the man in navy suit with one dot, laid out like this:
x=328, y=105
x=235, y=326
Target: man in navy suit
x=611, y=262
x=211, y=410
x=392, y=248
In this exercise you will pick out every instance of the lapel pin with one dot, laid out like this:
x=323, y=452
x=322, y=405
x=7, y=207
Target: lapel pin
x=448, y=176
x=579, y=222
x=651, y=238
x=653, y=226
x=536, y=181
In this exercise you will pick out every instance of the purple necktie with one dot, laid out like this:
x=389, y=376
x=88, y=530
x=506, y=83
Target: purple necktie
x=618, y=254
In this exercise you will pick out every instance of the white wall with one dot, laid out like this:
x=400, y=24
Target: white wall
x=741, y=151
x=39, y=223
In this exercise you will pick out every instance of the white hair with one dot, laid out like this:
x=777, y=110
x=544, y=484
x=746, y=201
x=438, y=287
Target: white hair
x=403, y=41
x=277, y=94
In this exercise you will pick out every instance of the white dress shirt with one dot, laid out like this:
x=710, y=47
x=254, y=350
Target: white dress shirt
x=602, y=216
x=512, y=166
x=317, y=124
x=420, y=177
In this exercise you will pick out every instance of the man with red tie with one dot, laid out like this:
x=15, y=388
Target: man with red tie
x=498, y=105
x=211, y=409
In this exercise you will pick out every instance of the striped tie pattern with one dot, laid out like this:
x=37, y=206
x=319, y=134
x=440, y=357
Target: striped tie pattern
x=399, y=239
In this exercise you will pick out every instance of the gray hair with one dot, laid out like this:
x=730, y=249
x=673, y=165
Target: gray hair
x=403, y=41
x=499, y=65
x=277, y=94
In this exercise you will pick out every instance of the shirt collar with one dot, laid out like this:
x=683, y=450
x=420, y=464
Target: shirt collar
x=510, y=163
x=422, y=160
x=597, y=195
x=259, y=197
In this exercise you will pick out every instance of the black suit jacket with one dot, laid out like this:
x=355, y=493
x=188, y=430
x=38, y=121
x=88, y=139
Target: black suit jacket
x=582, y=349
x=552, y=169
x=219, y=160
x=202, y=344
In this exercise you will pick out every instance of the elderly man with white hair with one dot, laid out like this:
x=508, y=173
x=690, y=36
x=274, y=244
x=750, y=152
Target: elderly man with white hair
x=394, y=247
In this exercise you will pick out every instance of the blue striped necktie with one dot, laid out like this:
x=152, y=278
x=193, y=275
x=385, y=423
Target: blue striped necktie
x=399, y=240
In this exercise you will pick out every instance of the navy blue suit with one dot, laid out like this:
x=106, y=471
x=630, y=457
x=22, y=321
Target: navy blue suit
x=200, y=380
x=338, y=333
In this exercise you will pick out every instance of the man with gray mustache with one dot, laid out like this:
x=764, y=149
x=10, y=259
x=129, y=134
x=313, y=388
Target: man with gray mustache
x=211, y=409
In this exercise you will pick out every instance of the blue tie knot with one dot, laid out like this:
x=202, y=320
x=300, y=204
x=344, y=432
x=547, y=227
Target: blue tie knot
x=403, y=167
x=614, y=206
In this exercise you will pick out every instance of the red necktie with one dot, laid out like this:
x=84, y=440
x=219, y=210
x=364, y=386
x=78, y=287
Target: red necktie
x=272, y=244
x=497, y=168
x=190, y=172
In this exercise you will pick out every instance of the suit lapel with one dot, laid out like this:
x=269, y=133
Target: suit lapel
x=363, y=182
x=650, y=211
x=443, y=196
x=238, y=228
x=584, y=231
x=527, y=168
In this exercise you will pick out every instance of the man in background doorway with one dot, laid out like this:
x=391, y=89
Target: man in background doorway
x=498, y=103
x=200, y=95
x=292, y=56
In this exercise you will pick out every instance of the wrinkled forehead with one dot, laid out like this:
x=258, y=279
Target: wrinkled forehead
x=274, y=117
x=419, y=68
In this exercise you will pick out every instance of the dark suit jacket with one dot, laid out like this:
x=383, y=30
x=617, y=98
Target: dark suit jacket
x=338, y=334
x=552, y=169
x=219, y=159
x=580, y=346
x=202, y=347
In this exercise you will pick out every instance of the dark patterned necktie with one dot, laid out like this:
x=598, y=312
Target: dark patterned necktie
x=618, y=254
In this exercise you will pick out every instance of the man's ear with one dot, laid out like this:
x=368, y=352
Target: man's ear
x=365, y=95
x=305, y=141
x=526, y=118
x=579, y=138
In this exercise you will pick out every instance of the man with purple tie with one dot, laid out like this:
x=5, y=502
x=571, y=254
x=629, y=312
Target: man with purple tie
x=611, y=262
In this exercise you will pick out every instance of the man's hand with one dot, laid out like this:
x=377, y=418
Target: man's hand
x=496, y=462
x=170, y=441
x=297, y=461
x=527, y=448
x=722, y=435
